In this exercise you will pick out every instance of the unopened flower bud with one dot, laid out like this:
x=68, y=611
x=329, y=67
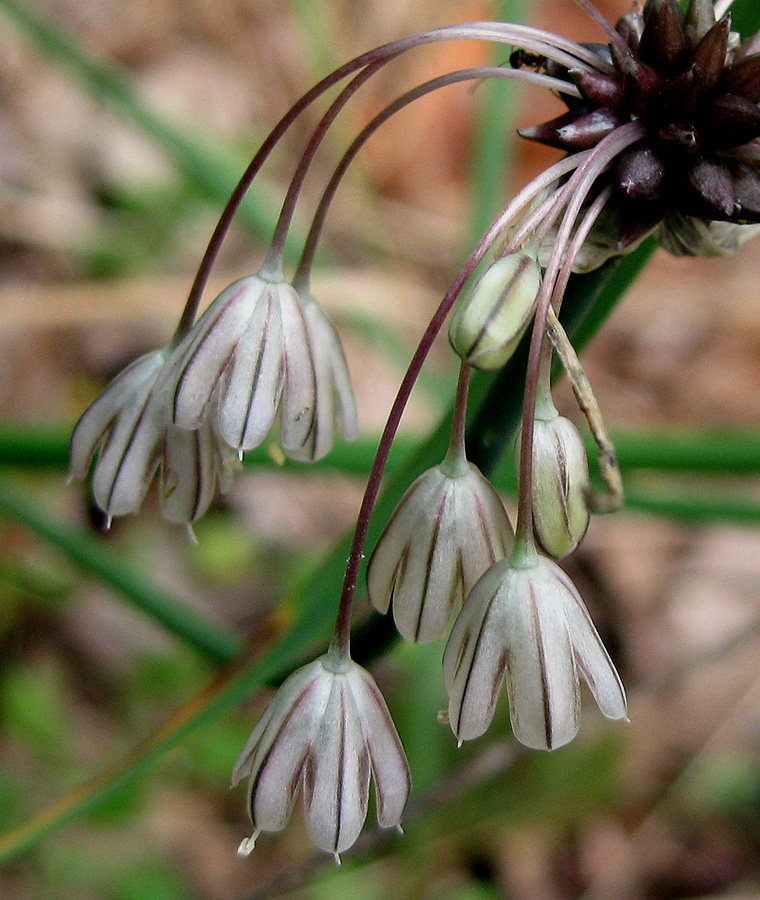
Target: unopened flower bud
x=488, y=325
x=560, y=482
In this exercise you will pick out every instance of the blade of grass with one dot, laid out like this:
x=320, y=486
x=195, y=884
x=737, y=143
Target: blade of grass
x=212, y=640
x=677, y=451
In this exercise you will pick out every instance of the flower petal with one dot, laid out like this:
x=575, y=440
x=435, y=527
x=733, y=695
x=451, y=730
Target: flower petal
x=130, y=456
x=474, y=661
x=298, y=405
x=335, y=405
x=336, y=774
x=94, y=423
x=590, y=654
x=275, y=753
x=252, y=385
x=199, y=361
x=542, y=681
x=389, y=765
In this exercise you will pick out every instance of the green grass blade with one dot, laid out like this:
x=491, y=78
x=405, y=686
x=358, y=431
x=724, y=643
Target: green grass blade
x=90, y=554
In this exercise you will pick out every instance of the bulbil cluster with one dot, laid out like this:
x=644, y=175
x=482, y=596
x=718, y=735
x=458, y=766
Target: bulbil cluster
x=695, y=89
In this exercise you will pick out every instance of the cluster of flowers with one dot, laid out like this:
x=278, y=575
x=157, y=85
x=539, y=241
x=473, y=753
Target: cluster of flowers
x=662, y=135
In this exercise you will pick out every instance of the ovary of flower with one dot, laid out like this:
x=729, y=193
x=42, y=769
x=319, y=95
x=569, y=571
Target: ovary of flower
x=327, y=728
x=525, y=622
x=246, y=358
x=126, y=425
x=448, y=528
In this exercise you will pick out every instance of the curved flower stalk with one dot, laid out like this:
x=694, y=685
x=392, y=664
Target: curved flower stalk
x=328, y=730
x=524, y=622
x=247, y=359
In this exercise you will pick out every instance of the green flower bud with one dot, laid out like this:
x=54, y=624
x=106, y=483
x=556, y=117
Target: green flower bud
x=560, y=483
x=488, y=325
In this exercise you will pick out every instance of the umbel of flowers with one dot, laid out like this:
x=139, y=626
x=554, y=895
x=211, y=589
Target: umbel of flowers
x=661, y=136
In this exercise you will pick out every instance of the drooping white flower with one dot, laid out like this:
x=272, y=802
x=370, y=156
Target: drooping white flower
x=125, y=427
x=448, y=528
x=246, y=359
x=524, y=622
x=129, y=428
x=327, y=728
x=335, y=405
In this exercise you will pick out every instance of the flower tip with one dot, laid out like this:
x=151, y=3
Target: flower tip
x=336, y=857
x=247, y=844
x=108, y=522
x=190, y=531
x=459, y=743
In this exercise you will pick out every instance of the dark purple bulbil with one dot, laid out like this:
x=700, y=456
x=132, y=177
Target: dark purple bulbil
x=698, y=94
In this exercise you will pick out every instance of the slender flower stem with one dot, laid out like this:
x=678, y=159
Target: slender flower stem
x=303, y=272
x=576, y=245
x=544, y=43
x=342, y=634
x=456, y=455
x=576, y=190
x=272, y=266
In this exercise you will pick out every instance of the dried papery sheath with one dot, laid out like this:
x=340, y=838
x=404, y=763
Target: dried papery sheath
x=448, y=528
x=246, y=359
x=335, y=406
x=525, y=622
x=125, y=427
x=560, y=481
x=195, y=464
x=327, y=728
x=489, y=322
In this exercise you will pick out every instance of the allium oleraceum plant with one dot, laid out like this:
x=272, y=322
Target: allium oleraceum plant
x=661, y=136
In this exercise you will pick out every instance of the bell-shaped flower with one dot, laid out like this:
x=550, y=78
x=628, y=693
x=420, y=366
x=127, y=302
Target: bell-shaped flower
x=126, y=424
x=194, y=464
x=335, y=405
x=488, y=323
x=327, y=728
x=560, y=481
x=448, y=528
x=247, y=358
x=525, y=622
